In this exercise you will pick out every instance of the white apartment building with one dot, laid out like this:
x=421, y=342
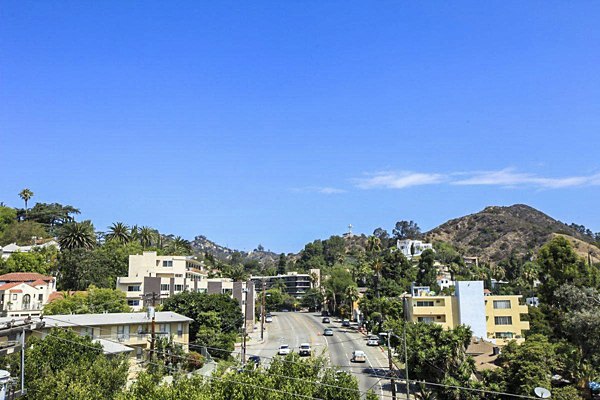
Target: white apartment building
x=24, y=294
x=412, y=248
x=12, y=248
x=163, y=275
x=168, y=275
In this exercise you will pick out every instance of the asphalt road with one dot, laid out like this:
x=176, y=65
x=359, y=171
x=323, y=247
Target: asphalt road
x=294, y=328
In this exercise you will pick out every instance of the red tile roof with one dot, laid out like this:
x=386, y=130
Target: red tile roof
x=7, y=286
x=16, y=291
x=39, y=282
x=24, y=277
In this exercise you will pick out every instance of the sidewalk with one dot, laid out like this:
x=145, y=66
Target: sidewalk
x=253, y=338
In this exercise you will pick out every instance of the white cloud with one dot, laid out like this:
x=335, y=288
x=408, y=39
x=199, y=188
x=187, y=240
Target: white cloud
x=318, y=189
x=398, y=180
x=508, y=177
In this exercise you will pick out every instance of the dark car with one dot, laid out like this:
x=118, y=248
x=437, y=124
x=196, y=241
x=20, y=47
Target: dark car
x=254, y=359
x=346, y=324
x=324, y=313
x=325, y=320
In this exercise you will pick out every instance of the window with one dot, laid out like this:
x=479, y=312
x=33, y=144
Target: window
x=87, y=331
x=503, y=320
x=501, y=304
x=123, y=332
x=138, y=353
x=167, y=263
x=428, y=303
x=133, y=303
x=14, y=297
x=41, y=297
x=425, y=319
x=164, y=286
x=178, y=275
x=504, y=335
x=179, y=330
x=134, y=288
x=26, y=301
x=179, y=288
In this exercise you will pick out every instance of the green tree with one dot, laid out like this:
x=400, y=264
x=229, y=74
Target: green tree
x=8, y=216
x=178, y=246
x=148, y=237
x=335, y=286
x=119, y=232
x=77, y=235
x=26, y=195
x=427, y=271
x=65, y=365
x=352, y=296
x=42, y=262
x=281, y=264
x=52, y=215
x=95, y=300
x=216, y=317
x=22, y=233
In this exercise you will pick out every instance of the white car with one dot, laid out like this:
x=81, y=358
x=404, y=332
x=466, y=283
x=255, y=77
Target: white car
x=305, y=349
x=284, y=349
x=269, y=319
x=358, y=356
x=372, y=342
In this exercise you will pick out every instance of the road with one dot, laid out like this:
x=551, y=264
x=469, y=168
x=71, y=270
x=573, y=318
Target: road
x=294, y=328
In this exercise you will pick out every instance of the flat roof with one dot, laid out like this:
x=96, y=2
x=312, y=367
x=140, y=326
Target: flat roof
x=70, y=320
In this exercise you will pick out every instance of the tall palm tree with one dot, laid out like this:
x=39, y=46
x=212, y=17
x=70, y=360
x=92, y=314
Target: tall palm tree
x=373, y=245
x=26, y=194
x=77, y=235
x=377, y=267
x=179, y=246
x=146, y=236
x=352, y=296
x=119, y=232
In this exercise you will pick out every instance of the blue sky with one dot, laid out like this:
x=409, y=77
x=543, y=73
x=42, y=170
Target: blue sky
x=282, y=122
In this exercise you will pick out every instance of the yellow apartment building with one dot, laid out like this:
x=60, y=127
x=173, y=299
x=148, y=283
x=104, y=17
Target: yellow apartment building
x=494, y=318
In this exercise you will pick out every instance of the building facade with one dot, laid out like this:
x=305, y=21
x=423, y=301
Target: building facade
x=496, y=319
x=154, y=278
x=24, y=294
x=163, y=275
x=412, y=248
x=13, y=248
x=292, y=283
x=133, y=330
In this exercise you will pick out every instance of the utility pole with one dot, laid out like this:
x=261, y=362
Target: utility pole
x=391, y=366
x=244, y=305
x=405, y=304
x=23, y=362
x=262, y=312
x=152, y=297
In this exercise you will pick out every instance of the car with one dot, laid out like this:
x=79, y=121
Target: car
x=285, y=310
x=326, y=320
x=305, y=350
x=268, y=318
x=254, y=360
x=346, y=323
x=328, y=332
x=373, y=341
x=359, y=356
x=324, y=313
x=284, y=349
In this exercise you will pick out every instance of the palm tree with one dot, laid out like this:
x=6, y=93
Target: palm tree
x=135, y=233
x=377, y=267
x=146, y=236
x=119, y=232
x=77, y=235
x=26, y=194
x=352, y=296
x=179, y=246
x=373, y=245
x=314, y=279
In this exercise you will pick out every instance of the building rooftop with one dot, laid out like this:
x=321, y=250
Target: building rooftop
x=24, y=277
x=112, y=319
x=111, y=347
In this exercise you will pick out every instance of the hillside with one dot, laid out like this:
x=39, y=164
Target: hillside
x=201, y=245
x=496, y=232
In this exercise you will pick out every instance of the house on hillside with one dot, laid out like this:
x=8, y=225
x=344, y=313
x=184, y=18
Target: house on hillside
x=412, y=248
x=24, y=294
x=12, y=248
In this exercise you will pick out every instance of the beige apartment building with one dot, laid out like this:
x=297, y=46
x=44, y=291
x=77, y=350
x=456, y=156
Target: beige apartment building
x=497, y=319
x=168, y=275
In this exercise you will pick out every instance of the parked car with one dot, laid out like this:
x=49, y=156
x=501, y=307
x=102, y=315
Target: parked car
x=373, y=341
x=255, y=360
x=328, y=332
x=305, y=349
x=325, y=320
x=359, y=356
x=284, y=349
x=346, y=323
x=268, y=318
